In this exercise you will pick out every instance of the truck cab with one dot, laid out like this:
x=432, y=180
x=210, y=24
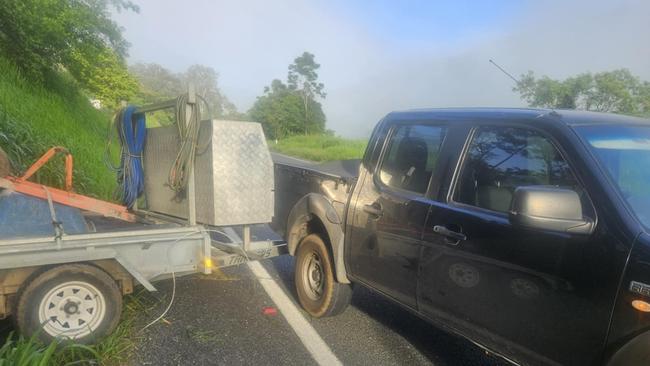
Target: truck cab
x=523, y=230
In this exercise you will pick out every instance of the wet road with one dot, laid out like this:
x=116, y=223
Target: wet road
x=219, y=319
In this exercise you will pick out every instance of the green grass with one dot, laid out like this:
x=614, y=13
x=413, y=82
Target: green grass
x=34, y=118
x=320, y=147
x=22, y=351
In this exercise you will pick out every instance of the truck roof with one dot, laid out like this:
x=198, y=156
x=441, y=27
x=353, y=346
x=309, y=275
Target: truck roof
x=563, y=116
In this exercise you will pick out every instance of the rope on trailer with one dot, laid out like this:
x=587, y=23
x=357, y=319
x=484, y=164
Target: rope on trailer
x=131, y=131
x=188, y=132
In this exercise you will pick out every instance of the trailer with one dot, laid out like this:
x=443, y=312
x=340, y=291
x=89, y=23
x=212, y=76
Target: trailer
x=68, y=282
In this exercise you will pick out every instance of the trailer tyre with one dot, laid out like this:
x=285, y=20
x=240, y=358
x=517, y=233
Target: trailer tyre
x=319, y=293
x=75, y=302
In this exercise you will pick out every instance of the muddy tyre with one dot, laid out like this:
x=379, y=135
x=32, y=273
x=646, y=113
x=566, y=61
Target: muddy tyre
x=318, y=292
x=75, y=302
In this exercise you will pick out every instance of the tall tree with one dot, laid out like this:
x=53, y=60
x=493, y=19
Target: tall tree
x=292, y=108
x=279, y=110
x=303, y=78
x=39, y=36
x=615, y=91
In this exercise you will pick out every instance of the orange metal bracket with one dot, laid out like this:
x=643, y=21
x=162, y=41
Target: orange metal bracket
x=45, y=158
x=67, y=197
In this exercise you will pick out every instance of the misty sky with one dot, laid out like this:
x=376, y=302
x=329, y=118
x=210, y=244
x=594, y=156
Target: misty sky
x=378, y=56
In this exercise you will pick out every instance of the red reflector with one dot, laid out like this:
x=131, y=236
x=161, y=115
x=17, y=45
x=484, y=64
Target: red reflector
x=269, y=310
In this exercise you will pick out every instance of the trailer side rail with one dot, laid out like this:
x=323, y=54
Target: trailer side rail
x=146, y=254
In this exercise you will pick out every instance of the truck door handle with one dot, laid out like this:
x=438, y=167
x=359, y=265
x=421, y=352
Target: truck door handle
x=374, y=209
x=449, y=233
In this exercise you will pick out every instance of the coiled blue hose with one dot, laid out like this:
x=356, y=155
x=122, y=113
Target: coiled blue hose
x=132, y=131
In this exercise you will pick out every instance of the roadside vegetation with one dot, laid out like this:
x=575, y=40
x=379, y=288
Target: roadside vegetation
x=616, y=91
x=320, y=147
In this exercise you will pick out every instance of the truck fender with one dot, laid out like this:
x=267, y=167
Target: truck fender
x=634, y=352
x=315, y=206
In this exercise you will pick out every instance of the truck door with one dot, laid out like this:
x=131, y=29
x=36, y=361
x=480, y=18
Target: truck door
x=541, y=296
x=390, y=210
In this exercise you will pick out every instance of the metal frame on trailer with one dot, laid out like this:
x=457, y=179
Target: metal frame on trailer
x=193, y=106
x=146, y=254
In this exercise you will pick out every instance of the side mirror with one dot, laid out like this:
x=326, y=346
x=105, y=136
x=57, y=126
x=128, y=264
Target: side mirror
x=549, y=208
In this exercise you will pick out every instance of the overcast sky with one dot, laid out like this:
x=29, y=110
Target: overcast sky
x=378, y=56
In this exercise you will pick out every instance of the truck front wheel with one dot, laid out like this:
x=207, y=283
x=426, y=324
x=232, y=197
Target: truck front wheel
x=319, y=293
x=75, y=302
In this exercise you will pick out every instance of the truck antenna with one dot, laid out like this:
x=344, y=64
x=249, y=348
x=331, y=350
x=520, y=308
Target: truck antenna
x=504, y=71
x=515, y=80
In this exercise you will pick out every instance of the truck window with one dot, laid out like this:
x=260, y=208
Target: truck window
x=624, y=151
x=411, y=157
x=501, y=159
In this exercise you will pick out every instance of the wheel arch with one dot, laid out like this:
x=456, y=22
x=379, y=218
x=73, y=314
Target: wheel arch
x=315, y=214
x=633, y=352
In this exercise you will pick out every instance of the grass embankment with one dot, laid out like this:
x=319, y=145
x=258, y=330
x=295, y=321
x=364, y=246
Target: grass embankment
x=320, y=147
x=34, y=118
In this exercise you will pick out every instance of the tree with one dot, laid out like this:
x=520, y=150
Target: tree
x=158, y=84
x=278, y=110
x=281, y=112
x=205, y=80
x=40, y=36
x=303, y=78
x=292, y=108
x=106, y=78
x=615, y=91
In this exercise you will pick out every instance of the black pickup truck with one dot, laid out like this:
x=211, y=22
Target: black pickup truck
x=526, y=231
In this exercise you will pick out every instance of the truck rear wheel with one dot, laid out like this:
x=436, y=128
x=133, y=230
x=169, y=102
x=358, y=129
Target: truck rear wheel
x=319, y=293
x=75, y=302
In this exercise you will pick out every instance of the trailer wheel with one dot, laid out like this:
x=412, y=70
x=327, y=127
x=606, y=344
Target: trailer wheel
x=70, y=302
x=319, y=293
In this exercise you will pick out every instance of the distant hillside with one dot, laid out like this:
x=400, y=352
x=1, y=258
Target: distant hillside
x=34, y=118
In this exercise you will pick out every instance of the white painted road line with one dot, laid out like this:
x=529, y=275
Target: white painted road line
x=319, y=350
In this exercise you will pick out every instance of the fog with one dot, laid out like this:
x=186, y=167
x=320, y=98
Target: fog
x=369, y=70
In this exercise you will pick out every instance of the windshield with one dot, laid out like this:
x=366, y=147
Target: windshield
x=625, y=153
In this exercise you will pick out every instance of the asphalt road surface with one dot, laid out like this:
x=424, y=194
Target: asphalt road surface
x=220, y=319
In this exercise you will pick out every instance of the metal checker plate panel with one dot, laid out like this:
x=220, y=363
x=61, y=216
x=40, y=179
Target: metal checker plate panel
x=243, y=174
x=234, y=174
